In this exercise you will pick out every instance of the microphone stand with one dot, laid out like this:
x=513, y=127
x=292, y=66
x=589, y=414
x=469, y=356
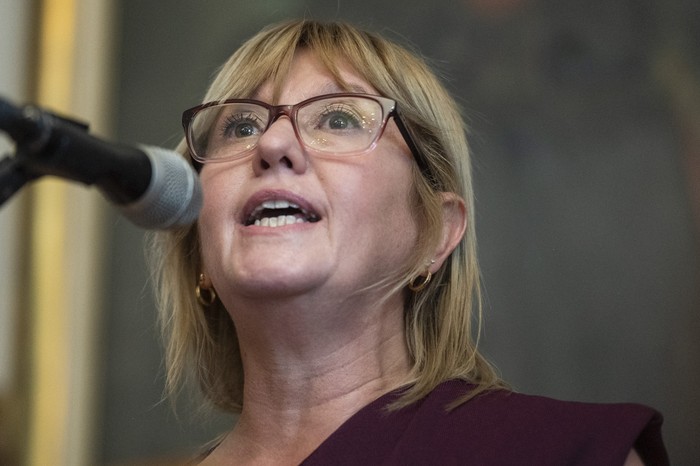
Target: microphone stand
x=13, y=175
x=31, y=129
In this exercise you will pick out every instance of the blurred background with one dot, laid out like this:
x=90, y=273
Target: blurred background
x=585, y=127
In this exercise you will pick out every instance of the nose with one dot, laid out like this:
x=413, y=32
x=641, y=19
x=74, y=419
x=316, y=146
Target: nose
x=279, y=148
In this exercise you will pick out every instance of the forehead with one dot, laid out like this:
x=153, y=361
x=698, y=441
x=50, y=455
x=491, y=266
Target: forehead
x=308, y=76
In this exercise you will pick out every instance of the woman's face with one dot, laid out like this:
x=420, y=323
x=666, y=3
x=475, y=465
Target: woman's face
x=358, y=226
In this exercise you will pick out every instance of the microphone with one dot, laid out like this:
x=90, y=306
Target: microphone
x=154, y=188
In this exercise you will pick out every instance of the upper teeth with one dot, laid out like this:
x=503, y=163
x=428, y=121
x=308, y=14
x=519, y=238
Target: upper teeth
x=277, y=204
x=280, y=220
x=274, y=204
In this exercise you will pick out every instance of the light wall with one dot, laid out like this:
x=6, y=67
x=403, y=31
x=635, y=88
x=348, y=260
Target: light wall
x=587, y=236
x=14, y=66
x=15, y=50
x=59, y=54
x=588, y=242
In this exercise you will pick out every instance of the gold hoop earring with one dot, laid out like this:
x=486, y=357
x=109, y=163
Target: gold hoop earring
x=415, y=285
x=205, y=296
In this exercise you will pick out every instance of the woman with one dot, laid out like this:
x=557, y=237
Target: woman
x=328, y=290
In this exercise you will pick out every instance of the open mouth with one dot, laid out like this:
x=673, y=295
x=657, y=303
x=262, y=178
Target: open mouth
x=279, y=212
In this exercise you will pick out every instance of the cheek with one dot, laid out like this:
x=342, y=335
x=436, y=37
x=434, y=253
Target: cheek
x=219, y=190
x=379, y=200
x=216, y=219
x=210, y=217
x=208, y=238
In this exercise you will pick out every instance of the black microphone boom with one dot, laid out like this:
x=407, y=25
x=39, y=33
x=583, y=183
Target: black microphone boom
x=153, y=187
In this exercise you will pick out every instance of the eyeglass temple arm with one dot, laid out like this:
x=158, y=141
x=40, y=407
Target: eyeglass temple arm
x=417, y=154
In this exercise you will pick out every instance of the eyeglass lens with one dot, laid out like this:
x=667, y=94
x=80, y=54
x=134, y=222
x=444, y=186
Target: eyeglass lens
x=337, y=124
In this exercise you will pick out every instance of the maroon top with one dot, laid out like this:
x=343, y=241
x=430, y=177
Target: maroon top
x=495, y=428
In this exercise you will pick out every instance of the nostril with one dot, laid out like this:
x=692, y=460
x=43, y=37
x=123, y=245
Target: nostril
x=264, y=164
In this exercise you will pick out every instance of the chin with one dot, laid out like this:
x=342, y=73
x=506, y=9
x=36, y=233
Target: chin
x=278, y=280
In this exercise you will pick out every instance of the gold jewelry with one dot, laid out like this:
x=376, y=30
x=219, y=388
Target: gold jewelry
x=205, y=295
x=416, y=286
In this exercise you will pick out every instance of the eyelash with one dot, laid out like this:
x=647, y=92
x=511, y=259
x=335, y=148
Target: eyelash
x=231, y=122
x=339, y=108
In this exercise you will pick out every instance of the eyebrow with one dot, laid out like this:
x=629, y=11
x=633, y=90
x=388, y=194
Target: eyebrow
x=330, y=87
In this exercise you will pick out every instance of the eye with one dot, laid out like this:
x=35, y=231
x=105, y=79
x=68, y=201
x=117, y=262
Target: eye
x=242, y=125
x=339, y=117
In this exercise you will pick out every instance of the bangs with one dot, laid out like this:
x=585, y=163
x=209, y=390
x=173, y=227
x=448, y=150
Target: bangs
x=269, y=56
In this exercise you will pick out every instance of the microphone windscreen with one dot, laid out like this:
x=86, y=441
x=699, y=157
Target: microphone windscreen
x=173, y=197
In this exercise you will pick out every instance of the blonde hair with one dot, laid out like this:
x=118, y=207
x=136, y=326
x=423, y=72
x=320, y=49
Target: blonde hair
x=442, y=322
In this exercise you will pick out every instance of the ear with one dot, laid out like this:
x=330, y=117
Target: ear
x=454, y=223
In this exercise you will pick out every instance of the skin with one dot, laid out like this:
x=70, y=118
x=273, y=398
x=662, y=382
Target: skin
x=633, y=459
x=316, y=344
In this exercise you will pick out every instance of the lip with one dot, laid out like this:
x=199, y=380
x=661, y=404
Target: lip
x=275, y=194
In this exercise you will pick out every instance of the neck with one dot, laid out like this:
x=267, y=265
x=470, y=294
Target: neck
x=308, y=368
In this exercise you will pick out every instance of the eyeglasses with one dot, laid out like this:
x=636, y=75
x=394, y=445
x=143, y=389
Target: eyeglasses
x=337, y=124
